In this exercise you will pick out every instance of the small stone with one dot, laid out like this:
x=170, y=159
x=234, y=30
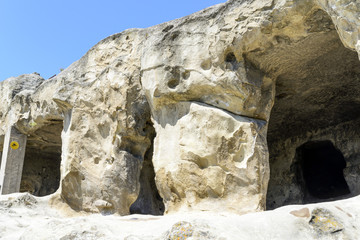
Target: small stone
x=180, y=231
x=102, y=204
x=323, y=221
x=303, y=213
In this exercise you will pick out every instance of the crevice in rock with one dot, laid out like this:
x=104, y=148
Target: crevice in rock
x=149, y=200
x=41, y=171
x=1, y=146
x=229, y=112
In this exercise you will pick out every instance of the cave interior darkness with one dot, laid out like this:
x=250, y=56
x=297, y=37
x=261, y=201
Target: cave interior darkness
x=41, y=171
x=315, y=114
x=321, y=166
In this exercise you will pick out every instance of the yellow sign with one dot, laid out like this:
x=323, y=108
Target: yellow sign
x=14, y=145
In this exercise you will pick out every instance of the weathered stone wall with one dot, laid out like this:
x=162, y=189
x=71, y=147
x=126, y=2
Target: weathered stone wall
x=105, y=135
x=316, y=99
x=206, y=85
x=209, y=159
x=346, y=16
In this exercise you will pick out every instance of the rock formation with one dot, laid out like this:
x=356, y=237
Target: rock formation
x=216, y=111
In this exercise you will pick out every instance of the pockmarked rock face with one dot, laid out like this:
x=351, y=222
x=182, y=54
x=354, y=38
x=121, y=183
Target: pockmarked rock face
x=104, y=134
x=106, y=129
x=183, y=113
x=208, y=159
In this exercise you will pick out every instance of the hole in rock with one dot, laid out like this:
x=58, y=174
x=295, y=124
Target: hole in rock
x=149, y=200
x=173, y=83
x=168, y=28
x=41, y=171
x=174, y=77
x=185, y=75
x=206, y=65
x=317, y=81
x=230, y=58
x=231, y=61
x=322, y=171
x=174, y=35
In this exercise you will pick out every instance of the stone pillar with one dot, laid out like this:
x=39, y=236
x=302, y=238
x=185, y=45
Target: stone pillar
x=207, y=159
x=12, y=161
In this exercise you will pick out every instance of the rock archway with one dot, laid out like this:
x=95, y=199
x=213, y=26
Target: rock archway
x=317, y=84
x=41, y=171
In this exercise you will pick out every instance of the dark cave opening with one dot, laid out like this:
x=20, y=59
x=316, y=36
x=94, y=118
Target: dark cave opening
x=315, y=110
x=149, y=200
x=41, y=171
x=322, y=170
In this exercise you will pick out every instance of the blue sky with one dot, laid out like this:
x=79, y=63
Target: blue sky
x=46, y=35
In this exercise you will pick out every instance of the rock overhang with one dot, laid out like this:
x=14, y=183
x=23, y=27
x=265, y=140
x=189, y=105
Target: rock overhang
x=228, y=57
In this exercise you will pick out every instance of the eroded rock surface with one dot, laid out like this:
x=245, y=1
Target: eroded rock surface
x=210, y=159
x=106, y=131
x=200, y=99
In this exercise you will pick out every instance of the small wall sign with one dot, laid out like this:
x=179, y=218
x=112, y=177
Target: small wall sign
x=14, y=145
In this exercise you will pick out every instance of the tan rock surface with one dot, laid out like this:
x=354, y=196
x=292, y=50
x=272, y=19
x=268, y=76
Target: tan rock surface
x=206, y=84
x=346, y=16
x=210, y=160
x=106, y=131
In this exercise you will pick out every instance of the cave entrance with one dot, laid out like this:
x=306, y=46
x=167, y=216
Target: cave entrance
x=149, y=200
x=322, y=171
x=317, y=81
x=41, y=171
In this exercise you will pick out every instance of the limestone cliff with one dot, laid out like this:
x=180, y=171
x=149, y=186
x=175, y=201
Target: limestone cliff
x=218, y=111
